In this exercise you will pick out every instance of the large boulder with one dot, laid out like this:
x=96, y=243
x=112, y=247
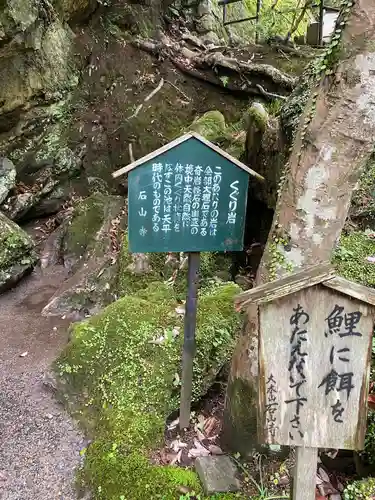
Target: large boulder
x=87, y=245
x=122, y=371
x=17, y=256
x=47, y=189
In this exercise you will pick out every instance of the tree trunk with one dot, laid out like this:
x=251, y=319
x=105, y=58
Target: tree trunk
x=336, y=137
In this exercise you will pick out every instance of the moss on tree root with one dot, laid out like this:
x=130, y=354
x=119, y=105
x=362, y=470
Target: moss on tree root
x=125, y=382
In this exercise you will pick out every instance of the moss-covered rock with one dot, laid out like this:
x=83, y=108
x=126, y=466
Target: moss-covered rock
x=17, y=256
x=122, y=370
x=46, y=194
x=136, y=271
x=42, y=63
x=88, y=232
x=87, y=245
x=211, y=125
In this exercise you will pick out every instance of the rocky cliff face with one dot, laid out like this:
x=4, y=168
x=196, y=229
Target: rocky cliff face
x=36, y=49
x=70, y=85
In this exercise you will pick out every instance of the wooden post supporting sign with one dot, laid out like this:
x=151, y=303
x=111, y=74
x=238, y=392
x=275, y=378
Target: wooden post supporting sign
x=189, y=338
x=304, y=483
x=188, y=196
x=315, y=338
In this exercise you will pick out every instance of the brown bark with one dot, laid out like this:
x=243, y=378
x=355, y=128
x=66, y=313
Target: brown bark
x=325, y=163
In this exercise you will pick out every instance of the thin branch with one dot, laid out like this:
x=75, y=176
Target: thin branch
x=136, y=112
x=178, y=90
x=269, y=94
x=155, y=91
x=297, y=22
x=150, y=96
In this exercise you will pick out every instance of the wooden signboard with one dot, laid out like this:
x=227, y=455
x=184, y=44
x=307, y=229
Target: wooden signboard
x=188, y=196
x=315, y=338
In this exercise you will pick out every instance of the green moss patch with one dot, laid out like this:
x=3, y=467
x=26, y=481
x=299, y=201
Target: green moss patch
x=211, y=125
x=351, y=256
x=122, y=368
x=362, y=209
x=15, y=244
x=137, y=271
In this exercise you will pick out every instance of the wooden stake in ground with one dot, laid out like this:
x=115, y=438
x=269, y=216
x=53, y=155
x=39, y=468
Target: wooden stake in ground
x=315, y=339
x=304, y=484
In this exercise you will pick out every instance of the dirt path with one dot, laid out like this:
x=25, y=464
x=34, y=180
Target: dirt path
x=39, y=443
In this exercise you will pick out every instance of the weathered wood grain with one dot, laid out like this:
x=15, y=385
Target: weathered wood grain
x=310, y=276
x=355, y=290
x=317, y=424
x=304, y=484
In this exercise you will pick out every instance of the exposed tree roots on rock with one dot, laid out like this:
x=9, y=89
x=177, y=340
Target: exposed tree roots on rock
x=224, y=71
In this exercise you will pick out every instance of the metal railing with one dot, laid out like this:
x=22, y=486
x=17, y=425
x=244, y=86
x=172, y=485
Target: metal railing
x=321, y=5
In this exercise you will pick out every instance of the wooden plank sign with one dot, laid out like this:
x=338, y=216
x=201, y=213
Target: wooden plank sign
x=315, y=349
x=315, y=339
x=189, y=196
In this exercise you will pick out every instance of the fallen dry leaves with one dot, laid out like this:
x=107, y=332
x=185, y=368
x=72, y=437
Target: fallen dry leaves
x=200, y=441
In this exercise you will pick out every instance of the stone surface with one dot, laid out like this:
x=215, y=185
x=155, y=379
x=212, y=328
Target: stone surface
x=39, y=60
x=17, y=256
x=7, y=177
x=47, y=190
x=218, y=474
x=85, y=245
x=77, y=9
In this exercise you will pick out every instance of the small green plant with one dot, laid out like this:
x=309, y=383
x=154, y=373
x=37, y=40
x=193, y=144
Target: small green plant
x=343, y=254
x=360, y=490
x=189, y=496
x=369, y=451
x=263, y=492
x=224, y=80
x=351, y=258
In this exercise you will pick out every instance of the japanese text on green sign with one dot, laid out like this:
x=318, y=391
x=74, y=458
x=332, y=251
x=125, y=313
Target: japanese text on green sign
x=184, y=206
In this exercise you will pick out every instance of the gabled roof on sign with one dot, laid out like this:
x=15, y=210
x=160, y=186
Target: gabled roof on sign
x=180, y=140
x=310, y=276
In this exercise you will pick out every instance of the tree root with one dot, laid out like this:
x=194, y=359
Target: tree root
x=223, y=71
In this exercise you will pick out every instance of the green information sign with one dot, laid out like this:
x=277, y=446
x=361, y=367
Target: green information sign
x=188, y=196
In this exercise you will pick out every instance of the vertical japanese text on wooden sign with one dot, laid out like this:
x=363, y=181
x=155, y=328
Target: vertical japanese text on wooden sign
x=314, y=352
